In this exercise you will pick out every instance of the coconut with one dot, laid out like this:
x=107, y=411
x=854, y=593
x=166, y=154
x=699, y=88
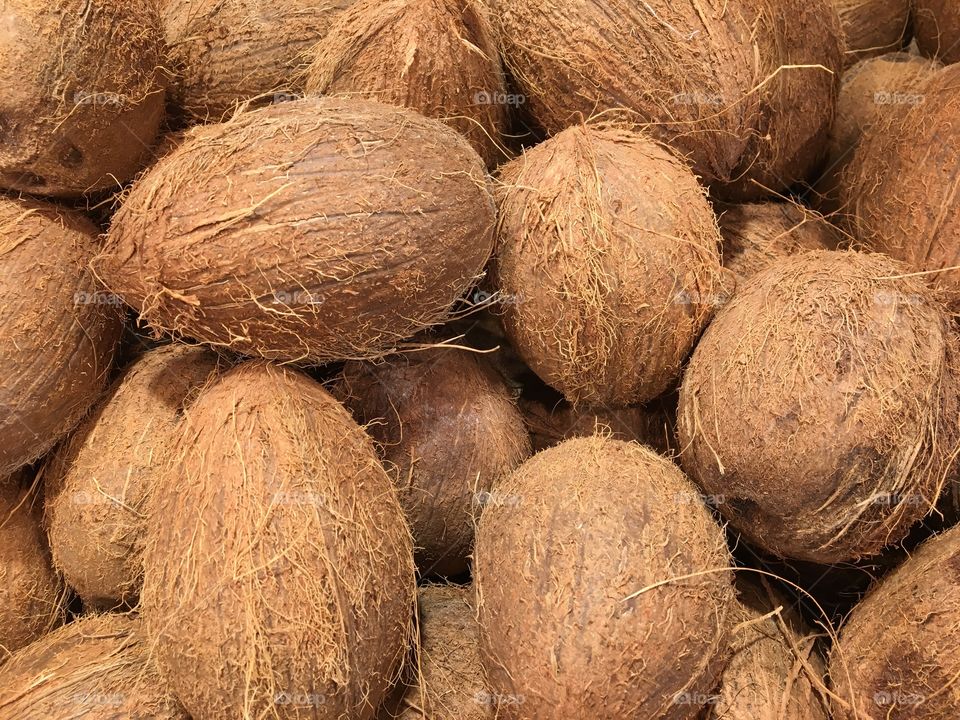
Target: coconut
x=314, y=230
x=60, y=330
x=814, y=406
x=97, y=484
x=228, y=51
x=97, y=668
x=937, y=27
x=439, y=57
x=278, y=571
x=448, y=431
x=606, y=557
x=897, y=653
x=873, y=27
x=31, y=595
x=608, y=263
x=84, y=93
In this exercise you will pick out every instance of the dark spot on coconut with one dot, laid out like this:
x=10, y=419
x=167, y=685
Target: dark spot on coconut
x=71, y=156
x=742, y=507
x=26, y=180
x=953, y=565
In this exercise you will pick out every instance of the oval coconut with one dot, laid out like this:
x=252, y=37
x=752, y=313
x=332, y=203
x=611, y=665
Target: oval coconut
x=315, y=230
x=814, y=406
x=873, y=27
x=96, y=668
x=278, y=572
x=937, y=28
x=606, y=557
x=608, y=263
x=228, y=51
x=98, y=483
x=448, y=431
x=59, y=330
x=85, y=93
x=439, y=57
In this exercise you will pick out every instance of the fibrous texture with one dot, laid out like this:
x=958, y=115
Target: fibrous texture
x=873, y=27
x=937, y=28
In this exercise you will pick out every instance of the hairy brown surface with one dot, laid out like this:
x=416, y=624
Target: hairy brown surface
x=813, y=406
x=937, y=28
x=315, y=230
x=439, y=57
x=873, y=27
x=60, y=329
x=603, y=587
x=278, y=572
x=83, y=93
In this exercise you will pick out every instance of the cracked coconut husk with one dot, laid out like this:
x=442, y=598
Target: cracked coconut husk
x=873, y=27
x=937, y=28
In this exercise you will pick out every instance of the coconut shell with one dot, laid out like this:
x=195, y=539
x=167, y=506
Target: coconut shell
x=225, y=52
x=60, y=329
x=873, y=27
x=278, y=572
x=97, y=668
x=315, y=230
x=608, y=262
x=937, y=28
x=448, y=431
x=85, y=93
x=98, y=483
x=605, y=556
x=813, y=406
x=439, y=57
x=897, y=654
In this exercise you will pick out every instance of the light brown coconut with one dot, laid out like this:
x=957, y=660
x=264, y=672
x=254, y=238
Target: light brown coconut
x=439, y=57
x=897, y=653
x=224, y=52
x=937, y=28
x=448, y=431
x=873, y=27
x=603, y=586
x=278, y=572
x=814, y=406
x=315, y=230
x=98, y=483
x=84, y=94
x=607, y=262
x=96, y=668
x=60, y=329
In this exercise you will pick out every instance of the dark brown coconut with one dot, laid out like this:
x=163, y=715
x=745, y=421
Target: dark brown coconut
x=224, y=52
x=937, y=28
x=439, y=57
x=448, y=432
x=607, y=263
x=84, y=93
x=606, y=557
x=278, y=572
x=873, y=27
x=59, y=329
x=314, y=230
x=813, y=406
x=96, y=668
x=897, y=654
x=98, y=483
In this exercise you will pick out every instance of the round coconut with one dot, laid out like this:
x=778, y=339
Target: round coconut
x=873, y=27
x=97, y=484
x=448, y=431
x=608, y=263
x=313, y=231
x=225, y=52
x=31, y=594
x=85, y=93
x=439, y=57
x=937, y=28
x=746, y=89
x=97, y=668
x=606, y=556
x=278, y=572
x=897, y=654
x=60, y=331
x=814, y=406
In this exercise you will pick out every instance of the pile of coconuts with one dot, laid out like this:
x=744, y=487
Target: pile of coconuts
x=479, y=360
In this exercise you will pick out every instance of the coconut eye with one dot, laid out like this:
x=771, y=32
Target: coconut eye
x=71, y=157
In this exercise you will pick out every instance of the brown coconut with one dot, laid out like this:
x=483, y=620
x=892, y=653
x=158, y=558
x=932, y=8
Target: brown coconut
x=937, y=28
x=98, y=483
x=873, y=27
x=314, y=230
x=84, y=96
x=60, y=329
x=448, y=431
x=278, y=572
x=439, y=57
x=96, y=668
x=607, y=262
x=224, y=52
x=814, y=406
x=603, y=587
